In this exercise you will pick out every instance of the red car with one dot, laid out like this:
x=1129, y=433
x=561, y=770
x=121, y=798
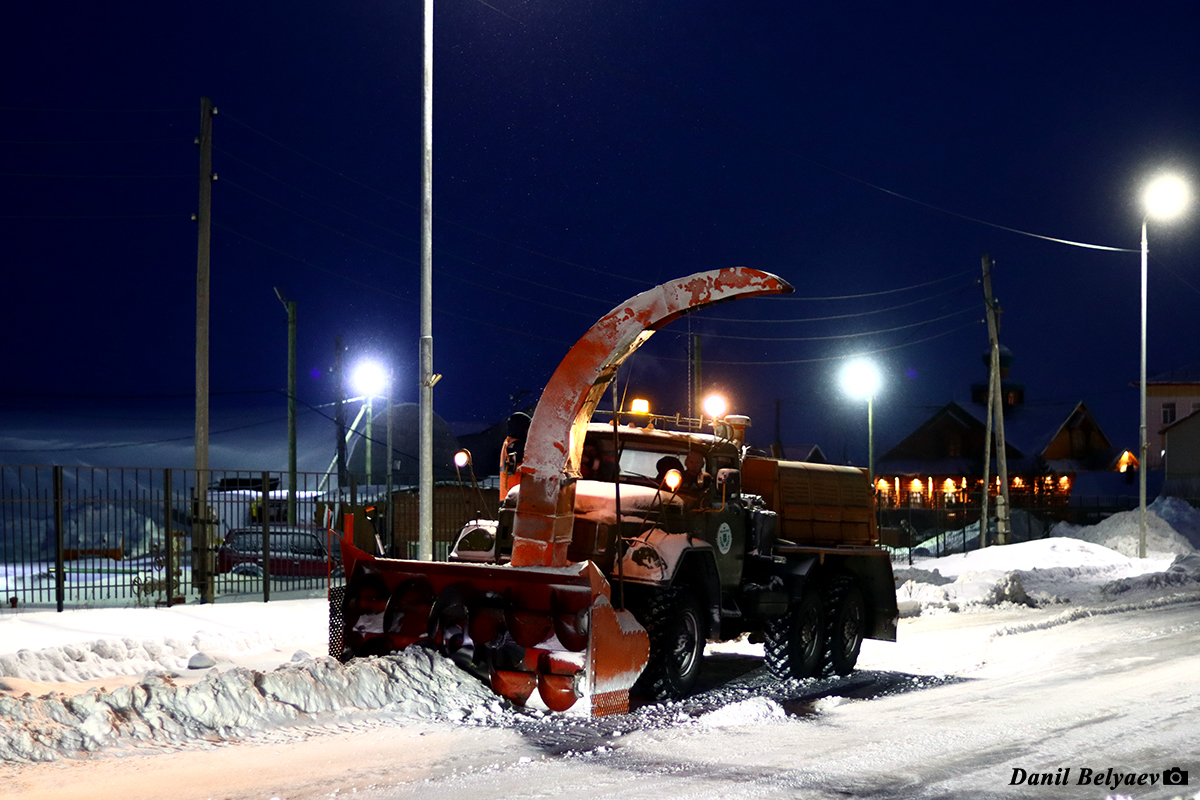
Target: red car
x=296, y=551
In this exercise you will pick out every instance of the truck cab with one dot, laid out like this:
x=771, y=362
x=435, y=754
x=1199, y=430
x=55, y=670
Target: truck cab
x=702, y=539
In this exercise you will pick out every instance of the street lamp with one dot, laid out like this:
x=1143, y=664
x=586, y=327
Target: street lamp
x=1163, y=198
x=369, y=379
x=860, y=380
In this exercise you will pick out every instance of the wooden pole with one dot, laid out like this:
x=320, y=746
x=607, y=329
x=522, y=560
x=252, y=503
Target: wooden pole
x=202, y=557
x=996, y=404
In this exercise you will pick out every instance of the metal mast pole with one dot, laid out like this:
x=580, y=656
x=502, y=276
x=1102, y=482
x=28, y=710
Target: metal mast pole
x=1142, y=402
x=427, y=378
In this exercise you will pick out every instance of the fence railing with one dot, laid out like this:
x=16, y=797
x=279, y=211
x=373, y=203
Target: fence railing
x=93, y=536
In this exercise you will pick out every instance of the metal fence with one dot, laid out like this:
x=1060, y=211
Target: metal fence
x=78, y=537
x=93, y=536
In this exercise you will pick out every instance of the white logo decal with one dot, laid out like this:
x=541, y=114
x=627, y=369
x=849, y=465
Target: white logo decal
x=724, y=538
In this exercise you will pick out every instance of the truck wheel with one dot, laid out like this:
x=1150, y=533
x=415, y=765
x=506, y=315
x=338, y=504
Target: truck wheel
x=795, y=646
x=846, y=616
x=678, y=629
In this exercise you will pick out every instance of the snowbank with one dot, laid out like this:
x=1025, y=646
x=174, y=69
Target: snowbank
x=1078, y=564
x=1121, y=532
x=416, y=684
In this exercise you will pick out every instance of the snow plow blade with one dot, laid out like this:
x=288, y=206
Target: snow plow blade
x=539, y=636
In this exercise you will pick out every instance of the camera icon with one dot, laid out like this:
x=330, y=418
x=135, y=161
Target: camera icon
x=1175, y=777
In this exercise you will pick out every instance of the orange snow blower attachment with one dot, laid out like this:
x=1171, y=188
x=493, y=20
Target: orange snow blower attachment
x=552, y=633
x=541, y=626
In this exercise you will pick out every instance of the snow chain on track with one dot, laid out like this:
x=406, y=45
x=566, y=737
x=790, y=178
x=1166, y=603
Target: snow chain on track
x=778, y=646
x=834, y=596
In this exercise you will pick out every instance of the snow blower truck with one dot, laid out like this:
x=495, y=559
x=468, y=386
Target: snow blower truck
x=621, y=548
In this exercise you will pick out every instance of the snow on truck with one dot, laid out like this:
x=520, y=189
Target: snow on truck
x=621, y=548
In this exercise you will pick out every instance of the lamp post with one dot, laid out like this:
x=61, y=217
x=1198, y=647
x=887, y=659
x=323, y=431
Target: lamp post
x=860, y=380
x=1164, y=197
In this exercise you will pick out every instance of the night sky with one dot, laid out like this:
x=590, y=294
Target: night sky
x=583, y=152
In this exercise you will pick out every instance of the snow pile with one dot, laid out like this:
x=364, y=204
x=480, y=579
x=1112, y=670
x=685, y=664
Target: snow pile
x=416, y=683
x=1181, y=516
x=96, y=659
x=1122, y=531
x=1036, y=573
x=754, y=711
x=90, y=644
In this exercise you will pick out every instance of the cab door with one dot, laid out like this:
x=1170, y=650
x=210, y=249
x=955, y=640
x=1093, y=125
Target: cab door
x=721, y=518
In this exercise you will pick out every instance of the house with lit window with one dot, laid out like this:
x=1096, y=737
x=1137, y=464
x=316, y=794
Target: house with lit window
x=1049, y=447
x=1170, y=396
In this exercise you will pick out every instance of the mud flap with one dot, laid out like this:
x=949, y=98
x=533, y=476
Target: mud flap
x=537, y=635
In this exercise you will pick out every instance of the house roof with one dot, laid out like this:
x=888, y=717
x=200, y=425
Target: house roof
x=1179, y=421
x=1188, y=373
x=804, y=452
x=1028, y=431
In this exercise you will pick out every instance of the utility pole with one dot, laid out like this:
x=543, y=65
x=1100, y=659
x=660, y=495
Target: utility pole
x=290, y=305
x=425, y=345
x=391, y=458
x=996, y=404
x=697, y=378
x=777, y=447
x=202, y=578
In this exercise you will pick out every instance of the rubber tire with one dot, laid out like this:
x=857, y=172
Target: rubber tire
x=795, y=641
x=845, y=615
x=678, y=629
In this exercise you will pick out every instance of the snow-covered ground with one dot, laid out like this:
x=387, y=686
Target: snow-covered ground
x=85, y=684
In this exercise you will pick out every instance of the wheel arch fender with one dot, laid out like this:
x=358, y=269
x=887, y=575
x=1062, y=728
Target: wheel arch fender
x=874, y=578
x=659, y=558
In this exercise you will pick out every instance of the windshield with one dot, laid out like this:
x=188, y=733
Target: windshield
x=641, y=461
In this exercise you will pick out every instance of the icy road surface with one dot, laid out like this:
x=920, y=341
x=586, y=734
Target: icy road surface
x=950, y=711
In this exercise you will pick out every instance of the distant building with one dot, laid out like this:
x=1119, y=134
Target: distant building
x=799, y=452
x=1170, y=396
x=1047, y=446
x=1182, y=445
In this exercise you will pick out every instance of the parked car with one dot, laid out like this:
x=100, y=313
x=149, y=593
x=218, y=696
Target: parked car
x=295, y=551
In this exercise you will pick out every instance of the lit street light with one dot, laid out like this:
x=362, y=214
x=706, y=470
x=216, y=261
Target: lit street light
x=369, y=379
x=1164, y=197
x=860, y=380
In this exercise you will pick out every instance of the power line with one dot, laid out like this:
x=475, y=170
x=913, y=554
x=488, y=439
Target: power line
x=955, y=290
x=839, y=336
x=742, y=134
x=884, y=291
x=123, y=445
x=875, y=351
